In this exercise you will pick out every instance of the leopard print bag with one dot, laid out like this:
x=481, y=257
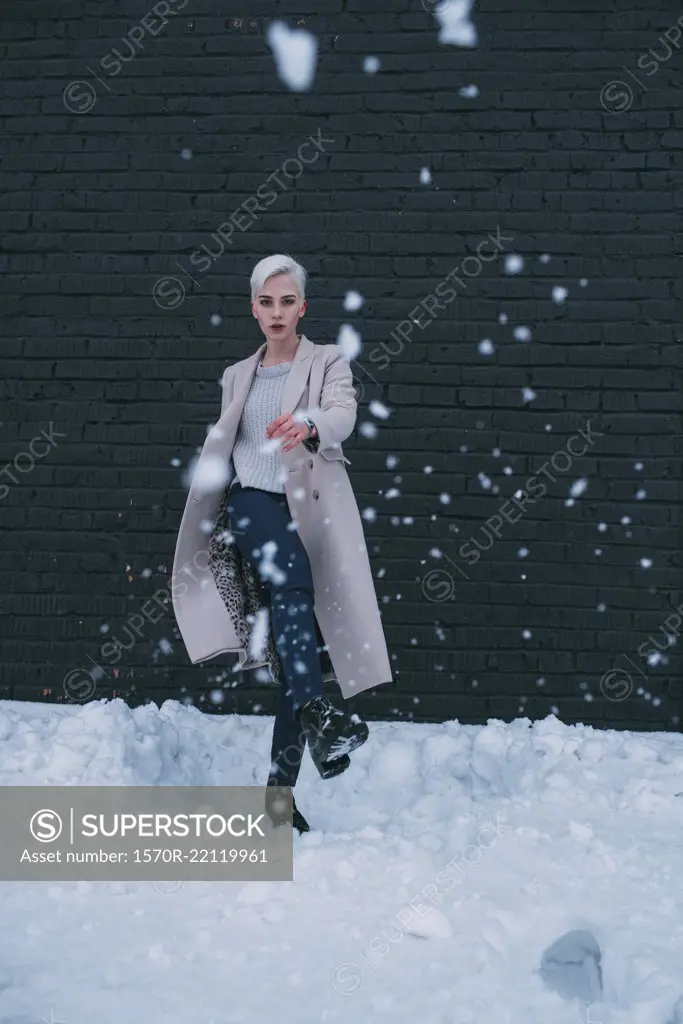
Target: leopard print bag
x=244, y=596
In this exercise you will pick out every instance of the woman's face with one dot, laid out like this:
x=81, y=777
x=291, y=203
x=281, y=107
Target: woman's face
x=277, y=307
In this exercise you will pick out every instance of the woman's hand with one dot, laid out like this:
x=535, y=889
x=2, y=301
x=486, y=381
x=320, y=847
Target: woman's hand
x=286, y=427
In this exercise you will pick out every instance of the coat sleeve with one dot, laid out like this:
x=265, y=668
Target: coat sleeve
x=336, y=416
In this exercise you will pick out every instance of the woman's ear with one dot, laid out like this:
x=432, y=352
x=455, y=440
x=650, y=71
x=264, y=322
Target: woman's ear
x=303, y=308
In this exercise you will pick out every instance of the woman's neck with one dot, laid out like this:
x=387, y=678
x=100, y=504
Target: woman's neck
x=281, y=353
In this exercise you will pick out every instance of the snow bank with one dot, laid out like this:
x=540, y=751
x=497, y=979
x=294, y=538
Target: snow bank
x=441, y=868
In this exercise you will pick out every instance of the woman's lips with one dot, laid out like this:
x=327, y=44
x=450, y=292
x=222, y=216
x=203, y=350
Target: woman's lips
x=278, y=327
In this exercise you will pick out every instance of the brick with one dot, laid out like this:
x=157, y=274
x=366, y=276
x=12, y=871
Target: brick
x=91, y=221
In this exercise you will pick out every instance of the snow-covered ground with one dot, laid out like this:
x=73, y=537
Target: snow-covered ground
x=442, y=865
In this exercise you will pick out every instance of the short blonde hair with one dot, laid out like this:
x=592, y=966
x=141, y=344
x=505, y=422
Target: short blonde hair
x=278, y=264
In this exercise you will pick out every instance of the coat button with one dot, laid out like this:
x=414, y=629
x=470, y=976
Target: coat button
x=315, y=495
x=310, y=463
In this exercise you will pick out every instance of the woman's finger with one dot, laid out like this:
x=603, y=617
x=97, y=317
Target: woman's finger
x=281, y=430
x=279, y=424
x=296, y=437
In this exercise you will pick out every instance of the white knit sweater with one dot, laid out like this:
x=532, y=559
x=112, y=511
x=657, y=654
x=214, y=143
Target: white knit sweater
x=256, y=464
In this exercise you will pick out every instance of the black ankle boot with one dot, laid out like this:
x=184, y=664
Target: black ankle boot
x=331, y=735
x=276, y=811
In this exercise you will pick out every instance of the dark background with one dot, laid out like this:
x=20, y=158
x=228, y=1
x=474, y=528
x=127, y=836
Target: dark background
x=97, y=206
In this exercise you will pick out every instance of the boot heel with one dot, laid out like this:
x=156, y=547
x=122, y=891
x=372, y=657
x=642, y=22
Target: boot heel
x=329, y=769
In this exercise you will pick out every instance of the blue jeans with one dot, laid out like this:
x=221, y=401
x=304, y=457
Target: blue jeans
x=256, y=518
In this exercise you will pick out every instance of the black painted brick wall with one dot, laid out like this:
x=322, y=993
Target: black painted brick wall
x=99, y=204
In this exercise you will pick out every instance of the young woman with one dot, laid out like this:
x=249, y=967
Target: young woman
x=286, y=561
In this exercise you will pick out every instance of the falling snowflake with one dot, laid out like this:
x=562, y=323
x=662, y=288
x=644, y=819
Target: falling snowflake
x=545, y=258
x=378, y=409
x=371, y=65
x=259, y=634
x=393, y=492
x=445, y=499
x=486, y=347
x=270, y=445
x=484, y=481
x=514, y=263
x=602, y=527
x=523, y=552
x=295, y=52
x=425, y=176
x=502, y=318
x=578, y=487
x=349, y=341
x=353, y=301
x=646, y=563
x=391, y=462
x=469, y=92
x=209, y=474
x=267, y=567
x=368, y=430
x=522, y=333
x=640, y=494
x=528, y=394
x=559, y=294
x=455, y=25
x=215, y=319
x=186, y=154
x=526, y=633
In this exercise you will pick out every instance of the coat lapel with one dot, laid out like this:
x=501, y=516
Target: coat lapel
x=243, y=383
x=297, y=376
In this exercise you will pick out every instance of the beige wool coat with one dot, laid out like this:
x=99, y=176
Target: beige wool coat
x=217, y=595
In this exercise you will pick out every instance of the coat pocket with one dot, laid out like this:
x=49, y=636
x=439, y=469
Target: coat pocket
x=334, y=455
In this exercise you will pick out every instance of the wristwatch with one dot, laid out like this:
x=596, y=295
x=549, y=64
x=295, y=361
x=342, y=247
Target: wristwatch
x=311, y=443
